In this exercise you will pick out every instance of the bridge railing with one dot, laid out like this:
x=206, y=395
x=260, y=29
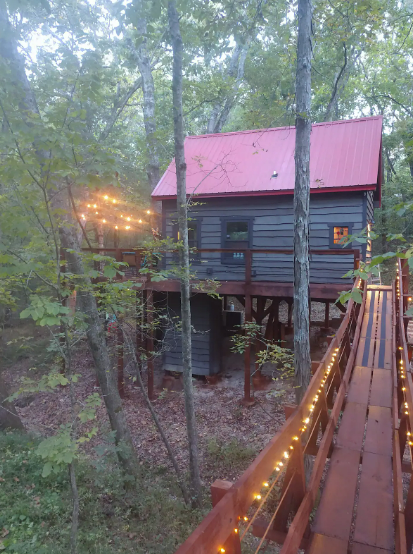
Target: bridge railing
x=402, y=414
x=237, y=506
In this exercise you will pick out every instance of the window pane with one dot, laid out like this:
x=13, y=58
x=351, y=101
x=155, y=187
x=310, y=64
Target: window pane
x=237, y=230
x=192, y=231
x=339, y=233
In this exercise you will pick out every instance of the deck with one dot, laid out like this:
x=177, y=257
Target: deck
x=355, y=423
x=246, y=280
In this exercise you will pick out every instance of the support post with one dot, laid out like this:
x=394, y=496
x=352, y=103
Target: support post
x=290, y=316
x=327, y=316
x=248, y=317
x=218, y=490
x=120, y=350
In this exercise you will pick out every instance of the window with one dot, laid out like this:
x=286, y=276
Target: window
x=338, y=231
x=236, y=233
x=194, y=237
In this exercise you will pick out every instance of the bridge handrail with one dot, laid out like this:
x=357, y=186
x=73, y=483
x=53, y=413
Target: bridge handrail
x=402, y=412
x=219, y=524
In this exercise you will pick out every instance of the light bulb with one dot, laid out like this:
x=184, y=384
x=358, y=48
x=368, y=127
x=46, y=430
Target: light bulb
x=94, y=205
x=116, y=226
x=114, y=201
x=140, y=221
x=128, y=218
x=104, y=221
x=127, y=227
x=148, y=211
x=106, y=197
x=88, y=205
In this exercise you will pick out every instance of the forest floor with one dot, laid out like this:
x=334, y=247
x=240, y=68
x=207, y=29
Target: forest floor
x=230, y=437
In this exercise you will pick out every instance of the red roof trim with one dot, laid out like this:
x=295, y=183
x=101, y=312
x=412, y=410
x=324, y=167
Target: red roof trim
x=273, y=192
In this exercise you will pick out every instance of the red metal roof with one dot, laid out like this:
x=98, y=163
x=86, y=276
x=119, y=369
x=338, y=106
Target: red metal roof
x=344, y=155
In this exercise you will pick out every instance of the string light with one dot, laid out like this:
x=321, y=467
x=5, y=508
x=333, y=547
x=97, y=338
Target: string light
x=140, y=221
x=128, y=218
x=116, y=227
x=287, y=453
x=114, y=201
x=104, y=221
x=148, y=212
x=94, y=205
x=88, y=205
x=106, y=197
x=127, y=227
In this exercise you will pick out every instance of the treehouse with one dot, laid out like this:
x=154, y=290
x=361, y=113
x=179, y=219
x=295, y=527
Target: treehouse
x=241, y=223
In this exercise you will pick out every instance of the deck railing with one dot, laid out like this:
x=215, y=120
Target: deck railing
x=245, y=269
x=224, y=527
x=402, y=414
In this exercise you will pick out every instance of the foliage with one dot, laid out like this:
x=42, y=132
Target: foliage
x=152, y=520
x=268, y=351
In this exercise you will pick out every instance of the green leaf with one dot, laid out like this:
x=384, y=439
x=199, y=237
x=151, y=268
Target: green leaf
x=357, y=296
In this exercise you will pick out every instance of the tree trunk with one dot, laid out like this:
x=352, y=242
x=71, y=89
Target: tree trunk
x=222, y=108
x=302, y=201
x=184, y=251
x=8, y=415
x=148, y=88
x=67, y=234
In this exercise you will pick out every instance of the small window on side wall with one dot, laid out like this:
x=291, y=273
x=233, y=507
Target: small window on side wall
x=236, y=234
x=338, y=234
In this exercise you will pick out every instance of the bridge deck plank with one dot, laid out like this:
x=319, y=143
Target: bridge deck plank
x=379, y=431
x=360, y=385
x=366, y=549
x=320, y=544
x=335, y=511
x=381, y=388
x=353, y=422
x=374, y=521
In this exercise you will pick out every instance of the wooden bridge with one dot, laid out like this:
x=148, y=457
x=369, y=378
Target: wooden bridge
x=353, y=431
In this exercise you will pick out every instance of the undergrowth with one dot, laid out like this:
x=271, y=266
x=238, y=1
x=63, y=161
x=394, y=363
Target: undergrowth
x=35, y=511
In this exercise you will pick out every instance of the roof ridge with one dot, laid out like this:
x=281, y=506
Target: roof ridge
x=287, y=127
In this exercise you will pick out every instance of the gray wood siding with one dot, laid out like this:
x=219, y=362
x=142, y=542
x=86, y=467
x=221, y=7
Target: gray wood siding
x=273, y=228
x=206, y=322
x=369, y=218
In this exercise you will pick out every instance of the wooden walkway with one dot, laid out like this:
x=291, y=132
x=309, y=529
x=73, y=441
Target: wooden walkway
x=356, y=507
x=355, y=423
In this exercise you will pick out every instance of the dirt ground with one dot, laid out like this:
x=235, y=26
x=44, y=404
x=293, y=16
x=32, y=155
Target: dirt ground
x=230, y=434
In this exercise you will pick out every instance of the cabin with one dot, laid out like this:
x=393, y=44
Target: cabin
x=241, y=216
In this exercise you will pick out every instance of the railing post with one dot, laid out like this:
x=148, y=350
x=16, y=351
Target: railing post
x=218, y=490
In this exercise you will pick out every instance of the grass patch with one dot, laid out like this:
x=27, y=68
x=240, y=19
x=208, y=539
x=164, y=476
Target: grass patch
x=35, y=511
x=230, y=454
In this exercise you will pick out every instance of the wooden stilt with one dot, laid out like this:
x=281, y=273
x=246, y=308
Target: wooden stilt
x=290, y=316
x=248, y=318
x=247, y=354
x=276, y=320
x=327, y=315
